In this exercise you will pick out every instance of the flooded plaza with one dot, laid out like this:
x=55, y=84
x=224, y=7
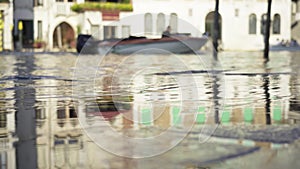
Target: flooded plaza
x=64, y=110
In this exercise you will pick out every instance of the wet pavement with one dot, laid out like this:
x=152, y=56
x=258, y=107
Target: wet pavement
x=61, y=110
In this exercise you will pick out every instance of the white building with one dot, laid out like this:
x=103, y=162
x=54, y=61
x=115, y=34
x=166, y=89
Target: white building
x=53, y=20
x=6, y=22
x=241, y=21
x=295, y=20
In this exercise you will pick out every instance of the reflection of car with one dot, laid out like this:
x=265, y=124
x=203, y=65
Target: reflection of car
x=108, y=108
x=177, y=43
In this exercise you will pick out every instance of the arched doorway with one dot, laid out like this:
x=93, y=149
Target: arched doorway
x=63, y=36
x=209, y=24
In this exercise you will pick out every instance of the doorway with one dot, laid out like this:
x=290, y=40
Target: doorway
x=209, y=24
x=63, y=36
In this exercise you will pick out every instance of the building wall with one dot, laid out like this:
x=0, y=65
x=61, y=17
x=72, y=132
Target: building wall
x=234, y=14
x=7, y=9
x=23, y=13
x=191, y=19
x=53, y=13
x=295, y=32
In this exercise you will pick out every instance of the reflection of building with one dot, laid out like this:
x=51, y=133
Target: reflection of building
x=59, y=139
x=7, y=153
x=7, y=119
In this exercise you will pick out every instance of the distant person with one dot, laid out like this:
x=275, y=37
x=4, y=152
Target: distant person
x=283, y=42
x=294, y=43
x=205, y=34
x=167, y=32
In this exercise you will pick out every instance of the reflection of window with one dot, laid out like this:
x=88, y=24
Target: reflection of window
x=41, y=160
x=148, y=23
x=173, y=22
x=263, y=24
x=59, y=141
x=59, y=153
x=72, y=112
x=3, y=160
x=73, y=141
x=125, y=31
x=61, y=114
x=3, y=120
x=40, y=114
x=110, y=32
x=160, y=23
x=252, y=24
x=276, y=24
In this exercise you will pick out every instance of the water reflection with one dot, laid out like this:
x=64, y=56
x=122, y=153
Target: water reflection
x=26, y=153
x=39, y=125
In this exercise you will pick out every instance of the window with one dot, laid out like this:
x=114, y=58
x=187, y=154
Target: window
x=3, y=160
x=125, y=31
x=148, y=23
x=252, y=24
x=173, y=22
x=42, y=156
x=190, y=12
x=236, y=12
x=263, y=24
x=110, y=32
x=3, y=120
x=72, y=112
x=40, y=114
x=95, y=31
x=160, y=23
x=276, y=24
x=40, y=30
x=38, y=2
x=61, y=114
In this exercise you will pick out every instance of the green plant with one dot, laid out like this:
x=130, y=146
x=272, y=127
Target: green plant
x=4, y=1
x=101, y=6
x=126, y=1
x=78, y=29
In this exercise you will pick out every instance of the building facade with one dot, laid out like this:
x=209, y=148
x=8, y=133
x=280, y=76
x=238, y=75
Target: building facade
x=295, y=20
x=242, y=21
x=6, y=22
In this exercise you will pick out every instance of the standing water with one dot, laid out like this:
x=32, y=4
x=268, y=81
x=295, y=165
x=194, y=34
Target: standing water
x=59, y=110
